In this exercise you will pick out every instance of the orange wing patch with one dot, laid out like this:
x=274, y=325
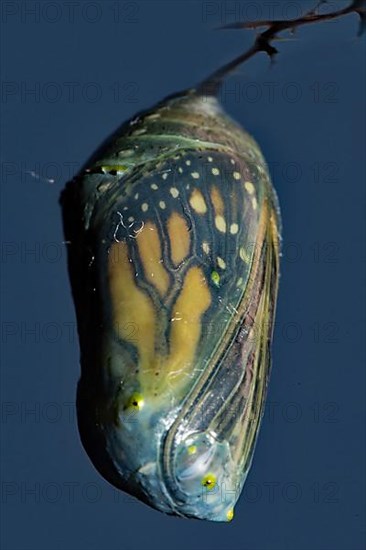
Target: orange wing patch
x=191, y=304
x=179, y=238
x=149, y=246
x=130, y=305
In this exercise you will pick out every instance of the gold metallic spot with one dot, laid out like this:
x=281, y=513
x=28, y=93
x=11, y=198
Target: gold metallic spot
x=236, y=175
x=215, y=171
x=198, y=202
x=230, y=514
x=136, y=401
x=220, y=223
x=209, y=481
x=118, y=168
x=195, y=175
x=215, y=278
x=179, y=238
x=249, y=187
x=149, y=246
x=234, y=228
x=174, y=192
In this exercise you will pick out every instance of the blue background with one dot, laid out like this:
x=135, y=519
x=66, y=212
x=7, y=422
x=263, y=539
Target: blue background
x=306, y=487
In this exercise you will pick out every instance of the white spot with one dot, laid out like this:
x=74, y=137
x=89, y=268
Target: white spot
x=249, y=187
x=154, y=186
x=236, y=175
x=165, y=175
x=125, y=208
x=232, y=161
x=139, y=132
x=243, y=255
x=205, y=247
x=136, y=196
x=145, y=207
x=174, y=192
x=195, y=175
x=180, y=170
x=153, y=116
x=254, y=203
x=220, y=224
x=188, y=163
x=215, y=171
x=239, y=282
x=131, y=219
x=210, y=159
x=234, y=228
x=162, y=205
x=221, y=263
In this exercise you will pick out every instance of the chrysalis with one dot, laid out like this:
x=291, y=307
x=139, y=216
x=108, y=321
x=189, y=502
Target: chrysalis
x=174, y=261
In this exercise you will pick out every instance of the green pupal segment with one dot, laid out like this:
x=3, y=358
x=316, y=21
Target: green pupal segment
x=183, y=447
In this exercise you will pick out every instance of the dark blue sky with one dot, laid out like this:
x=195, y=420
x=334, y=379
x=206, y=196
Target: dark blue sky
x=70, y=77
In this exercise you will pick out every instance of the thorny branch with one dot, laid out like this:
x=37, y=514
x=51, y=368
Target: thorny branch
x=263, y=41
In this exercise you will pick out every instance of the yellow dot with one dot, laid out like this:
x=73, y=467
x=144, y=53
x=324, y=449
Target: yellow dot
x=136, y=401
x=209, y=481
x=192, y=449
x=195, y=175
x=215, y=171
x=249, y=187
x=236, y=175
x=230, y=514
x=234, y=228
x=174, y=192
x=220, y=224
x=221, y=263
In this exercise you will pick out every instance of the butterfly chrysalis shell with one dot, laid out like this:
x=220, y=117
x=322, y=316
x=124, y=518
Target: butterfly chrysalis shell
x=174, y=256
